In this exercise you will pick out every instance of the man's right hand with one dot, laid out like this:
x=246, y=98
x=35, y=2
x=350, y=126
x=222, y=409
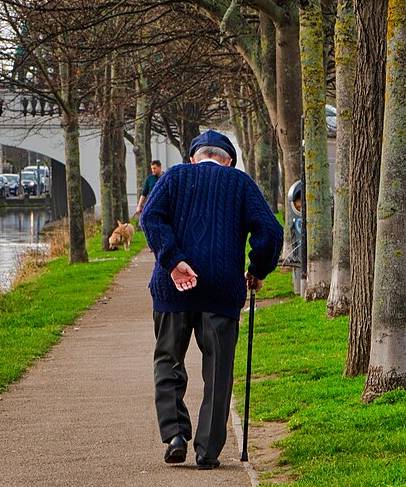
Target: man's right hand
x=138, y=210
x=253, y=282
x=184, y=277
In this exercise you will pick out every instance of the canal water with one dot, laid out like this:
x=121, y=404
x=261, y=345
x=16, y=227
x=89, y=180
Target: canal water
x=19, y=231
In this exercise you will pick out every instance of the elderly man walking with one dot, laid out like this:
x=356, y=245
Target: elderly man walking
x=197, y=221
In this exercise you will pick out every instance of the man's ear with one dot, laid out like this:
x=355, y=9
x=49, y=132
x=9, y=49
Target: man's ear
x=192, y=160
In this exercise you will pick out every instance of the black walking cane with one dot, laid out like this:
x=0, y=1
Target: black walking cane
x=244, y=454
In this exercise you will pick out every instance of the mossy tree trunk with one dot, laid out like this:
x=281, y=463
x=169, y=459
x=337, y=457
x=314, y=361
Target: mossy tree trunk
x=279, y=77
x=120, y=200
x=106, y=155
x=142, y=145
x=70, y=123
x=318, y=204
x=366, y=143
x=250, y=143
x=345, y=55
x=289, y=108
x=387, y=366
x=238, y=121
x=266, y=154
x=274, y=59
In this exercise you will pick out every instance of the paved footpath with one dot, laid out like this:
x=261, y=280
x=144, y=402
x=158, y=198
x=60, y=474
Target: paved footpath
x=84, y=415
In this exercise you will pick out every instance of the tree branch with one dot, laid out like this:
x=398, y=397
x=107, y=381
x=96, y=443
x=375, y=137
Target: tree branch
x=129, y=137
x=278, y=14
x=243, y=34
x=169, y=132
x=225, y=23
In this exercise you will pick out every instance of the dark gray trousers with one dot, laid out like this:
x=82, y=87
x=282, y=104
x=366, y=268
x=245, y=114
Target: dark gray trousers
x=216, y=337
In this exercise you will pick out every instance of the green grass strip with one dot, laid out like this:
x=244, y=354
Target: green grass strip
x=335, y=440
x=33, y=315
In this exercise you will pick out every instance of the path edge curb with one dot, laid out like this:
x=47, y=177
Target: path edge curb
x=238, y=431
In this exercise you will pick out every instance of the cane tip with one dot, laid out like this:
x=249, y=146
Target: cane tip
x=244, y=456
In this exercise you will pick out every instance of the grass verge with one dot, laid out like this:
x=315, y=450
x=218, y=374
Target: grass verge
x=335, y=440
x=34, y=313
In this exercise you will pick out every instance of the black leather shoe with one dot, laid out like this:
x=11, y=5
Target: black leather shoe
x=206, y=463
x=176, y=451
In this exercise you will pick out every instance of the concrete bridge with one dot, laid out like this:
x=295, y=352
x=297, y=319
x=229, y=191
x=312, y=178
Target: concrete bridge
x=43, y=134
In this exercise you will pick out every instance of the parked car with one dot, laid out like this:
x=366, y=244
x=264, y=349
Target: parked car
x=29, y=182
x=13, y=183
x=43, y=177
x=331, y=120
x=4, y=188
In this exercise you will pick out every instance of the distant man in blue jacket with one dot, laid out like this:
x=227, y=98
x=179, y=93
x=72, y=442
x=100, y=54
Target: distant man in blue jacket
x=197, y=221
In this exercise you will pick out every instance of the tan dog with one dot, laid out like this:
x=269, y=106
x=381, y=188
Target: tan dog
x=123, y=234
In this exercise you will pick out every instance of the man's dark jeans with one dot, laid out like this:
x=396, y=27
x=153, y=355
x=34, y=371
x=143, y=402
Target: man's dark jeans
x=216, y=337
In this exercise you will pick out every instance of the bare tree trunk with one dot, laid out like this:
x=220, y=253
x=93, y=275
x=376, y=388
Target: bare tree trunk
x=387, y=367
x=106, y=156
x=250, y=143
x=289, y=112
x=345, y=55
x=106, y=181
x=142, y=146
x=266, y=154
x=123, y=182
x=365, y=160
x=120, y=200
x=279, y=53
x=117, y=167
x=119, y=151
x=70, y=123
x=236, y=117
x=282, y=94
x=275, y=176
x=318, y=204
x=188, y=127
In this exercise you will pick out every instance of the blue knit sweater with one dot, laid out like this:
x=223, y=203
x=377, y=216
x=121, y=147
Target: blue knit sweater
x=202, y=214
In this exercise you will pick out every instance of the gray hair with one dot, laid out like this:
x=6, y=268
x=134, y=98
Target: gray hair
x=210, y=151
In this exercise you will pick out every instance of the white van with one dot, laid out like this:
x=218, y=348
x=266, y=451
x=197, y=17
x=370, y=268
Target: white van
x=43, y=177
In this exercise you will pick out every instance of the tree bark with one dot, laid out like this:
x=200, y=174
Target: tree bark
x=318, y=204
x=345, y=54
x=266, y=154
x=289, y=103
x=120, y=150
x=188, y=127
x=387, y=367
x=366, y=143
x=70, y=123
x=106, y=156
x=106, y=181
x=250, y=143
x=236, y=116
x=142, y=146
x=117, y=151
x=281, y=93
x=120, y=200
x=123, y=181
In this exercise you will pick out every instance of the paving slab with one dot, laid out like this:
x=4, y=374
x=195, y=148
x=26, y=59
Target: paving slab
x=84, y=415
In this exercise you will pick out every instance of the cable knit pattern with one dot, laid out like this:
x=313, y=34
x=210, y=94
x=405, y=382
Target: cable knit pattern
x=202, y=214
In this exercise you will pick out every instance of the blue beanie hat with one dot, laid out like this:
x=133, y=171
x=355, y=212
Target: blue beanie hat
x=214, y=139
